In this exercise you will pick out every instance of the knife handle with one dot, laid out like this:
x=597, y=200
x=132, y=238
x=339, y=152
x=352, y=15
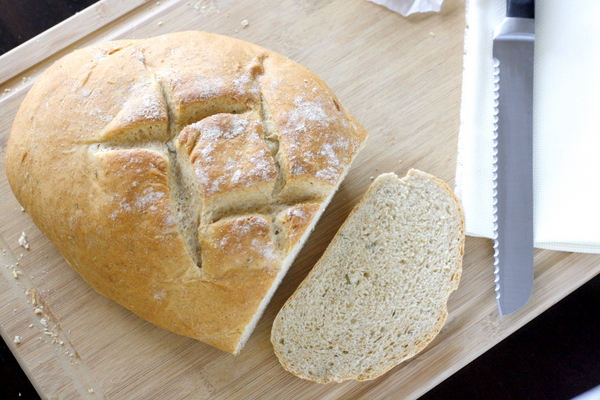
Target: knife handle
x=520, y=8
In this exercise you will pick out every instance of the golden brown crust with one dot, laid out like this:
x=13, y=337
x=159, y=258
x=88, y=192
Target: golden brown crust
x=177, y=174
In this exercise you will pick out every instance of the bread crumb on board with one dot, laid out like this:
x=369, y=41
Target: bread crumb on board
x=18, y=339
x=33, y=297
x=245, y=23
x=23, y=241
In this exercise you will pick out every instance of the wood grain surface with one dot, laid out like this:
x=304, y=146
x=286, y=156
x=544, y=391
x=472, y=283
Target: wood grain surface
x=399, y=76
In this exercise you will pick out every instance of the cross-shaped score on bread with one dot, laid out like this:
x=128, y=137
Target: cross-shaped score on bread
x=194, y=166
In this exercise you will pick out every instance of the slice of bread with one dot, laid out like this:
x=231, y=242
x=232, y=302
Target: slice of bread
x=378, y=294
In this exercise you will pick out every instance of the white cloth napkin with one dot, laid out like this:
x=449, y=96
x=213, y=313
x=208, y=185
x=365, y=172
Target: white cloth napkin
x=566, y=123
x=407, y=7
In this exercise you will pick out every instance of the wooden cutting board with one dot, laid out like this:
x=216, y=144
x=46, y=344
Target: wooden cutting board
x=401, y=77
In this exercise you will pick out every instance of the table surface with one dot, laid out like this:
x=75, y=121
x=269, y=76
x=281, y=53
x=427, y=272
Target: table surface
x=553, y=357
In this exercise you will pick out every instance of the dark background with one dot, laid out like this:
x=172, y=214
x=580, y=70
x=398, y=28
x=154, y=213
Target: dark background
x=556, y=356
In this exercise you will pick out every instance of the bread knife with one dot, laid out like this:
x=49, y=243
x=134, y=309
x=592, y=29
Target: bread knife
x=513, y=48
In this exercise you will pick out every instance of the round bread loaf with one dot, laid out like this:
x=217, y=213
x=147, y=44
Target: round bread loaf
x=181, y=174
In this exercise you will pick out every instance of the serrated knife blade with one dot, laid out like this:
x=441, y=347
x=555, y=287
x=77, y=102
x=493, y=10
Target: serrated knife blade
x=513, y=49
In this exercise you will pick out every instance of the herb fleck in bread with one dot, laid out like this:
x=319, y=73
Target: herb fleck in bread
x=181, y=174
x=378, y=294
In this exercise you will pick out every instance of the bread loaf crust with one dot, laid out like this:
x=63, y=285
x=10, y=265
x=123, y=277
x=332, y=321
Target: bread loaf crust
x=179, y=175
